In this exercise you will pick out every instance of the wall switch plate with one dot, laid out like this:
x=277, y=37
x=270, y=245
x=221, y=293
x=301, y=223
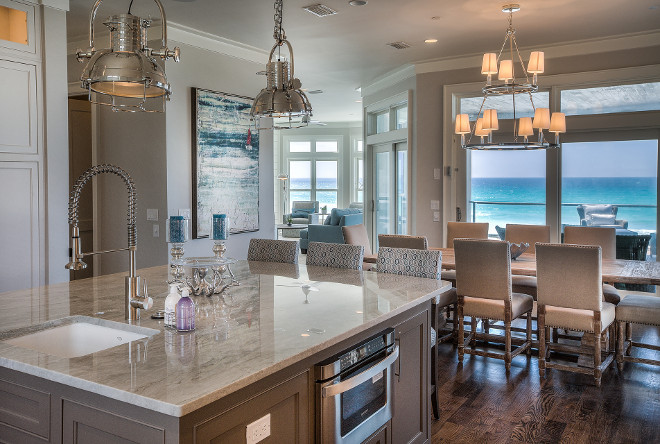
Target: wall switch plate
x=437, y=173
x=152, y=214
x=258, y=430
x=435, y=204
x=156, y=230
x=185, y=212
x=436, y=216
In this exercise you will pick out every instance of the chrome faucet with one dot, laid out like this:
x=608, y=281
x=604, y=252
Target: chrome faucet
x=136, y=293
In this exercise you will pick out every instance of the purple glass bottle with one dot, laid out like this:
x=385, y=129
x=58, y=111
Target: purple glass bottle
x=185, y=312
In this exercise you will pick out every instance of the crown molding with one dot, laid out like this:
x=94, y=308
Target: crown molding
x=567, y=49
x=62, y=5
x=390, y=79
x=187, y=36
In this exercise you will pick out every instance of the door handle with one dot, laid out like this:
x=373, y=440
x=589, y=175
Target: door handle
x=344, y=386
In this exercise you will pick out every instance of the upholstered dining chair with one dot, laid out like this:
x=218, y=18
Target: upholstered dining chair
x=483, y=285
x=424, y=264
x=635, y=309
x=271, y=250
x=403, y=241
x=605, y=238
x=357, y=235
x=570, y=296
x=335, y=255
x=516, y=233
x=463, y=230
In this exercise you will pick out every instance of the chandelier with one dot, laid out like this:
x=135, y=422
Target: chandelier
x=127, y=76
x=509, y=85
x=281, y=99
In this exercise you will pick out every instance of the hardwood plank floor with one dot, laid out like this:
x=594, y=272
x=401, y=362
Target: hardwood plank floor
x=479, y=404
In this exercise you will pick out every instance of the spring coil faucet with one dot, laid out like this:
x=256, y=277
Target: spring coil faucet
x=134, y=300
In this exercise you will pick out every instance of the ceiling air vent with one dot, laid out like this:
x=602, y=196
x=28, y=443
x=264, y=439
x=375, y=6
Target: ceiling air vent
x=315, y=91
x=399, y=45
x=320, y=10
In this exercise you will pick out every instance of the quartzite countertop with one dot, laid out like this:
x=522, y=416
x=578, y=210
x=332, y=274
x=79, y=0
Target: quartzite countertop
x=252, y=331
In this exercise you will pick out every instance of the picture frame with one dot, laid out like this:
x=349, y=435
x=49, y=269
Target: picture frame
x=225, y=162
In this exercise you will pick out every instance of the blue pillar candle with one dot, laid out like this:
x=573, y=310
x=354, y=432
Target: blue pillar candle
x=177, y=230
x=220, y=227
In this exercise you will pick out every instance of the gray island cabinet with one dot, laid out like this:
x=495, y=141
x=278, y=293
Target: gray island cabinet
x=252, y=354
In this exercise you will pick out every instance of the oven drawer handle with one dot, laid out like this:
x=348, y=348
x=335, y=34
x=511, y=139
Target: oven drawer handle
x=344, y=386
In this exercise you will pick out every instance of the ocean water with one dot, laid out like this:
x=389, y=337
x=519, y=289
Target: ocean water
x=328, y=198
x=575, y=190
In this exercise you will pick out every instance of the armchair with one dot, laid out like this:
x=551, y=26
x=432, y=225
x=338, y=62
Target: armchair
x=330, y=233
x=300, y=205
x=600, y=215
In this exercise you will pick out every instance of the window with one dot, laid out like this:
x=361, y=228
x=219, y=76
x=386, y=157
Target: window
x=621, y=173
x=383, y=122
x=326, y=183
x=504, y=105
x=611, y=99
x=503, y=192
x=300, y=175
x=300, y=146
x=401, y=117
x=314, y=168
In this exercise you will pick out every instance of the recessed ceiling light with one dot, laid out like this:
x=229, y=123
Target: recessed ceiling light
x=436, y=17
x=431, y=41
x=305, y=335
x=357, y=2
x=358, y=101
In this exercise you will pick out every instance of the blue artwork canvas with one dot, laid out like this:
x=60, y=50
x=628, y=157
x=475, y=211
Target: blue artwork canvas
x=225, y=162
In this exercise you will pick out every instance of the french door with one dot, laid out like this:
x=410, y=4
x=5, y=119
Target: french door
x=390, y=189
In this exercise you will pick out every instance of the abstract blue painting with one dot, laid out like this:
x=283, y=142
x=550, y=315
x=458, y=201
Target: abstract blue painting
x=225, y=162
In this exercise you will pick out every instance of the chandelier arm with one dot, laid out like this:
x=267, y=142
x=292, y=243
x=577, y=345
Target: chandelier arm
x=499, y=56
x=522, y=64
x=483, y=102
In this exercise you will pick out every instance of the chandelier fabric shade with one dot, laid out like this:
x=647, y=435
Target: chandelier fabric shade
x=282, y=99
x=127, y=76
x=510, y=84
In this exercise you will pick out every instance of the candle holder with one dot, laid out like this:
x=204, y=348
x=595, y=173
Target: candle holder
x=178, y=232
x=207, y=275
x=220, y=233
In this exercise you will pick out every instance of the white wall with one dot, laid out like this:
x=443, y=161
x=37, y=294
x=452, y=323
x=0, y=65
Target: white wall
x=211, y=70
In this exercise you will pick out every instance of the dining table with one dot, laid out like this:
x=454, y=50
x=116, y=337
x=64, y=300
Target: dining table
x=614, y=270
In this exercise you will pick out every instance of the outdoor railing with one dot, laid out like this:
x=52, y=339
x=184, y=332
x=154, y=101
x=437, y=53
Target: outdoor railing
x=474, y=204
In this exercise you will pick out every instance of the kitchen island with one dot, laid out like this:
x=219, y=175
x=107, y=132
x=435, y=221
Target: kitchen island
x=250, y=355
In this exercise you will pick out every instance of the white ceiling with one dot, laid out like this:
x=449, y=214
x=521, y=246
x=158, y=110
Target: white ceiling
x=342, y=52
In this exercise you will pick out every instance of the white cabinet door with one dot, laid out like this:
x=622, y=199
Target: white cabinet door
x=19, y=225
x=18, y=108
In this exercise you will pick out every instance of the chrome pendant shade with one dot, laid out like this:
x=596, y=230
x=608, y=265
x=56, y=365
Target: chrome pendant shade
x=282, y=99
x=507, y=84
x=127, y=76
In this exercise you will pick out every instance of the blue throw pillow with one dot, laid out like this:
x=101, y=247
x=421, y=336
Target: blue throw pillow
x=299, y=214
x=307, y=211
x=336, y=214
x=327, y=221
x=501, y=232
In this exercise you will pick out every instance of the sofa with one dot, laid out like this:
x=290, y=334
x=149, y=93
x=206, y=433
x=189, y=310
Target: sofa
x=330, y=231
x=600, y=215
x=301, y=211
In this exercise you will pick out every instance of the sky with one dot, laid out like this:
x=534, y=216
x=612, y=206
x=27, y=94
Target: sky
x=631, y=158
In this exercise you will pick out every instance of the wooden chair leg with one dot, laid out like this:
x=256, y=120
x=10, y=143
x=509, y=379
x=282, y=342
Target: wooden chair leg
x=486, y=326
x=507, y=345
x=628, y=337
x=542, y=329
x=620, y=344
x=597, y=370
x=473, y=332
x=529, y=334
x=555, y=335
x=461, y=332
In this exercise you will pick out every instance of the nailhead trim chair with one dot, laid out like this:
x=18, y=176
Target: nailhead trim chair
x=271, y=250
x=483, y=284
x=635, y=309
x=570, y=296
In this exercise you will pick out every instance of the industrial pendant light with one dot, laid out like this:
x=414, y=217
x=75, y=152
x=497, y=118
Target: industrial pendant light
x=281, y=99
x=127, y=76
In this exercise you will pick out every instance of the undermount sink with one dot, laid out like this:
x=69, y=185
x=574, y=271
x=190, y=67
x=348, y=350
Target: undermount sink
x=79, y=336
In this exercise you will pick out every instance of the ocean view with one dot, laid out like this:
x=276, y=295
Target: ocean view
x=575, y=190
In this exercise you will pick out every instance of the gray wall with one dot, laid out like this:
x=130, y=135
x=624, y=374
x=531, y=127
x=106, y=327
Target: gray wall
x=428, y=134
x=210, y=70
x=56, y=143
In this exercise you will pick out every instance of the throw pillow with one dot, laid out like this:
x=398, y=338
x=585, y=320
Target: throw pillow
x=327, y=221
x=357, y=235
x=336, y=214
x=595, y=220
x=501, y=232
x=305, y=210
x=298, y=214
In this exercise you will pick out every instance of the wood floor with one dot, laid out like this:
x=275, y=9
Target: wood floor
x=479, y=404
